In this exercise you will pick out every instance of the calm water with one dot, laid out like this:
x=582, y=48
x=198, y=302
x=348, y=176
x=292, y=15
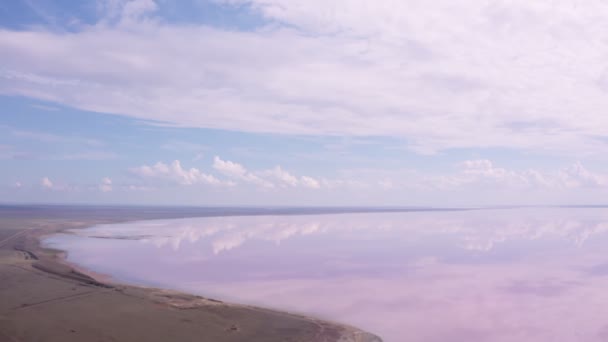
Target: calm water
x=487, y=275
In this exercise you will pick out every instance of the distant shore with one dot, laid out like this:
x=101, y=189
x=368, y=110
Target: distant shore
x=43, y=297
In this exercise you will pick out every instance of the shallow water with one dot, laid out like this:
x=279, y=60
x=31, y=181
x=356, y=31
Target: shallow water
x=484, y=275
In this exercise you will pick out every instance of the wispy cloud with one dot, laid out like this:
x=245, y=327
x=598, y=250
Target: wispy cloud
x=483, y=171
x=183, y=146
x=45, y=107
x=180, y=146
x=11, y=153
x=87, y=155
x=41, y=12
x=53, y=138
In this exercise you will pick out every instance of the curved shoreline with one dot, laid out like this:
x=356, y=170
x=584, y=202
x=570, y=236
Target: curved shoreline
x=260, y=323
x=180, y=299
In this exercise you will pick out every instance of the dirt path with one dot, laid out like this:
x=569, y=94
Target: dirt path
x=14, y=236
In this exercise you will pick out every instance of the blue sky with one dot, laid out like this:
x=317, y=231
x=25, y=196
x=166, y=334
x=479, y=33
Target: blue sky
x=276, y=102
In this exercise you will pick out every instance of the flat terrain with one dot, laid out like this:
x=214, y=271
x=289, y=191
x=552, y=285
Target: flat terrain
x=43, y=299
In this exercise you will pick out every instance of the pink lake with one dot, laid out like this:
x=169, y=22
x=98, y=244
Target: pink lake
x=534, y=274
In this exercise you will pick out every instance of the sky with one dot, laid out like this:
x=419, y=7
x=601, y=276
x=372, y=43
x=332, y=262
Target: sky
x=304, y=102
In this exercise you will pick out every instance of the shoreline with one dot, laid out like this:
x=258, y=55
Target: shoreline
x=60, y=256
x=54, y=262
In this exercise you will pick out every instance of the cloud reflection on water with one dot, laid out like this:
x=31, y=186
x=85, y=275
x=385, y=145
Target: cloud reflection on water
x=479, y=234
x=490, y=275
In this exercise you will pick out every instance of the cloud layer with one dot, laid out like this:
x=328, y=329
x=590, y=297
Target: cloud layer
x=441, y=75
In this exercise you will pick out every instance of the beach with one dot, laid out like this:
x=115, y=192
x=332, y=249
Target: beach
x=44, y=298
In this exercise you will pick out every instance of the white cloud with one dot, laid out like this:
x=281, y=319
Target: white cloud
x=443, y=74
x=106, y=185
x=286, y=179
x=175, y=173
x=46, y=183
x=237, y=171
x=229, y=168
x=283, y=177
x=578, y=176
x=472, y=177
x=485, y=169
x=310, y=182
x=17, y=185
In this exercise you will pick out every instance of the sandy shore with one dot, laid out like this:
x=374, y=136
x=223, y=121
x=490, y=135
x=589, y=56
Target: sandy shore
x=43, y=298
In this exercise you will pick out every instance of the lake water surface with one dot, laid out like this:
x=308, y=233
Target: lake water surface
x=483, y=275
